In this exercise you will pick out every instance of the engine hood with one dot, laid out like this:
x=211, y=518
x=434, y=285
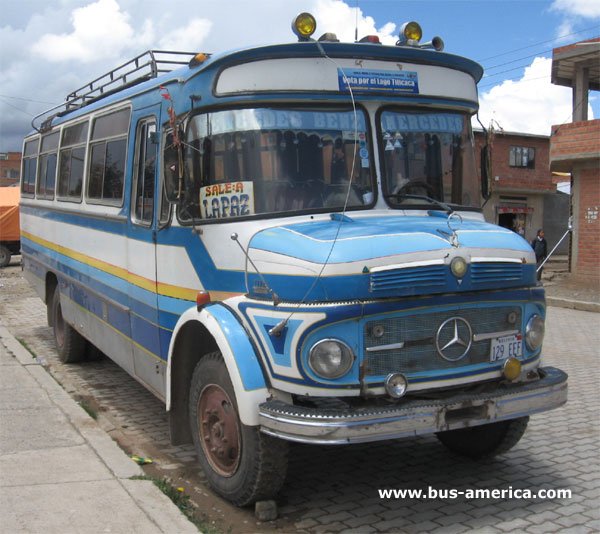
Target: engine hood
x=346, y=258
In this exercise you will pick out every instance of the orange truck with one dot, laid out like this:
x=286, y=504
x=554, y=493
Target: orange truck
x=10, y=238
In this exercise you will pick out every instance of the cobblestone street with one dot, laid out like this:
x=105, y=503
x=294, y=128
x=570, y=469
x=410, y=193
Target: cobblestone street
x=335, y=489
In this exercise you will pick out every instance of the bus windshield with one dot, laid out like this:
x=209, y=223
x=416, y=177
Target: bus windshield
x=427, y=154
x=246, y=162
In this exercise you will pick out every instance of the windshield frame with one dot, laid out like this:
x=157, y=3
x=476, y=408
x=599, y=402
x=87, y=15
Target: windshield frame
x=427, y=204
x=289, y=106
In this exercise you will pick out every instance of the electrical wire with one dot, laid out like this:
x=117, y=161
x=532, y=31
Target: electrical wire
x=539, y=43
x=276, y=330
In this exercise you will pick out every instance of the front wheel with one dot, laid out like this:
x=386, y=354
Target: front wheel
x=485, y=440
x=241, y=464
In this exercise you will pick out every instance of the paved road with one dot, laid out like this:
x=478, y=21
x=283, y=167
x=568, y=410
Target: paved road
x=335, y=489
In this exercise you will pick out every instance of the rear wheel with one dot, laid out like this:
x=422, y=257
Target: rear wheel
x=485, y=440
x=241, y=464
x=4, y=256
x=71, y=346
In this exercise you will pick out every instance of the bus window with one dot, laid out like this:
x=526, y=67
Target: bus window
x=143, y=199
x=262, y=161
x=47, y=171
x=428, y=154
x=71, y=158
x=108, y=147
x=30, y=157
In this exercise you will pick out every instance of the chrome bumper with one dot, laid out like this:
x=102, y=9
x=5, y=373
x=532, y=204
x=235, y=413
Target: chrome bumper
x=414, y=417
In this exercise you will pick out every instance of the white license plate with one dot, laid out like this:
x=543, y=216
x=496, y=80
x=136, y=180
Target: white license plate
x=506, y=347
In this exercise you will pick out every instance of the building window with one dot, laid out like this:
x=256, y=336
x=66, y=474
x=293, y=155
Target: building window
x=3, y=156
x=521, y=156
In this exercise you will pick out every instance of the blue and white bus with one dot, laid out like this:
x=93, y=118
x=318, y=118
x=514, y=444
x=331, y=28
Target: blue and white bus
x=286, y=243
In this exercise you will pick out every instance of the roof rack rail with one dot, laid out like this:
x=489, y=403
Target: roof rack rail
x=146, y=66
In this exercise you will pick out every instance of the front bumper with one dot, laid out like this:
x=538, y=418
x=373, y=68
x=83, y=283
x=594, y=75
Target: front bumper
x=413, y=417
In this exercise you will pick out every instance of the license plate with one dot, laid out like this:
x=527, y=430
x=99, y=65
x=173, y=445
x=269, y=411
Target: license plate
x=506, y=347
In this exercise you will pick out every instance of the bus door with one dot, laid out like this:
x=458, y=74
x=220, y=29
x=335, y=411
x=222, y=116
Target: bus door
x=141, y=257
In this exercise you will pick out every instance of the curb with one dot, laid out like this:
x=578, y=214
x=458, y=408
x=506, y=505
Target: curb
x=573, y=304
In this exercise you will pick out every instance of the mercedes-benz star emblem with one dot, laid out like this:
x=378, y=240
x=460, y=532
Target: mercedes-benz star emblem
x=453, y=339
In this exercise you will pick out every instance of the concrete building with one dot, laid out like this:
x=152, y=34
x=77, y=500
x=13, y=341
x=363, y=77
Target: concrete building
x=10, y=168
x=575, y=148
x=524, y=196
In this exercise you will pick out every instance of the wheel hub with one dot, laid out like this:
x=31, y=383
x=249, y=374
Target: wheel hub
x=219, y=430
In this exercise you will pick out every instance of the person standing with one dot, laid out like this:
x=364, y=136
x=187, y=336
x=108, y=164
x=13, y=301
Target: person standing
x=540, y=247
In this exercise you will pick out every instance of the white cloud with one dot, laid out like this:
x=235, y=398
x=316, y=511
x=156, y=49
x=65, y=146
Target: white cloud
x=100, y=30
x=188, y=38
x=581, y=8
x=529, y=105
x=338, y=17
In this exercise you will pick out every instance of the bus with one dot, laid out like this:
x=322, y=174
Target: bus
x=284, y=244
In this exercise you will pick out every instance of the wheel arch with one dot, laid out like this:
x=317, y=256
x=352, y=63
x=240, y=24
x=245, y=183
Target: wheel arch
x=196, y=334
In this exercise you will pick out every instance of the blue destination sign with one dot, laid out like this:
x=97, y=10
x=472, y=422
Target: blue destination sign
x=379, y=80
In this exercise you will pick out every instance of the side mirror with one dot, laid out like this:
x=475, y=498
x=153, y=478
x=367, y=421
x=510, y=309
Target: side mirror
x=486, y=171
x=173, y=169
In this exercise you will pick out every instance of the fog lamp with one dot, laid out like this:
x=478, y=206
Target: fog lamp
x=534, y=332
x=512, y=369
x=330, y=358
x=458, y=266
x=396, y=385
x=304, y=25
x=410, y=31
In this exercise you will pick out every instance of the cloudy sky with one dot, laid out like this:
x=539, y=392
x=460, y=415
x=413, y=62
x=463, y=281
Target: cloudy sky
x=50, y=47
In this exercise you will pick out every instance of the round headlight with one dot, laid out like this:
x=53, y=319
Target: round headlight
x=395, y=385
x=330, y=358
x=458, y=266
x=534, y=332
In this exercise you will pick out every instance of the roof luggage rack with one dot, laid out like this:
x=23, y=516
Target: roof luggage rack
x=146, y=66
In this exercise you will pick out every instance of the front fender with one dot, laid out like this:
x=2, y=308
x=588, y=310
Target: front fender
x=238, y=353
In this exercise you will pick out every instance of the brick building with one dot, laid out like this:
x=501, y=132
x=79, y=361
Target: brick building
x=524, y=195
x=10, y=168
x=575, y=148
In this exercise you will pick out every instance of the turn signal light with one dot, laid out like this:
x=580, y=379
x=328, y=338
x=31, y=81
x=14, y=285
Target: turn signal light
x=202, y=299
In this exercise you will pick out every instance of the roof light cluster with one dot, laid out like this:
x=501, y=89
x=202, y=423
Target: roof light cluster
x=305, y=25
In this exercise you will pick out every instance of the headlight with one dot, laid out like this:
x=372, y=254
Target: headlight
x=534, y=332
x=330, y=358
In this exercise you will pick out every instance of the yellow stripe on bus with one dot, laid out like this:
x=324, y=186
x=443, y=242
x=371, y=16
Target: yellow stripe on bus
x=167, y=290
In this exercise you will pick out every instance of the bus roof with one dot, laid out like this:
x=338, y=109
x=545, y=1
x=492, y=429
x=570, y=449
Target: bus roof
x=215, y=63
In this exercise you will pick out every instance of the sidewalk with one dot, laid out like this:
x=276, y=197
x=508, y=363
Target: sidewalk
x=59, y=471
x=565, y=291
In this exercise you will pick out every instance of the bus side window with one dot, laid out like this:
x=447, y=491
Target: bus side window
x=143, y=199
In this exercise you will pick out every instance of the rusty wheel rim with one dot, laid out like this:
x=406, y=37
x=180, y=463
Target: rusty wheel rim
x=219, y=430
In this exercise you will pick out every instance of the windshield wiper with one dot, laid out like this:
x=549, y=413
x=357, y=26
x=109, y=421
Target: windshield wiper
x=445, y=207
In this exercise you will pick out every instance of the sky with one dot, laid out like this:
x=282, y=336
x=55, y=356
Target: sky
x=50, y=47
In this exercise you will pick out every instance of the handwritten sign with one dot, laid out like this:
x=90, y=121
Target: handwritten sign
x=227, y=200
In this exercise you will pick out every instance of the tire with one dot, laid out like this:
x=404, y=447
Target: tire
x=241, y=464
x=70, y=345
x=4, y=256
x=485, y=441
